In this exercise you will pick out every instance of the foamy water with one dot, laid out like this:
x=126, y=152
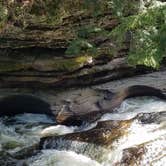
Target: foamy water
x=130, y=108
x=59, y=158
x=24, y=130
x=14, y=136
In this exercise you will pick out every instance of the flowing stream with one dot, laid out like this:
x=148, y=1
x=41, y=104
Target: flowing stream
x=146, y=134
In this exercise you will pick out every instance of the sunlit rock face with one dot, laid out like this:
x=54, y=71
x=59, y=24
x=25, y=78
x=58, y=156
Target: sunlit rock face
x=88, y=112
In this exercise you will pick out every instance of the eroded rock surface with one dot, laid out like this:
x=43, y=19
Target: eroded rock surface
x=33, y=49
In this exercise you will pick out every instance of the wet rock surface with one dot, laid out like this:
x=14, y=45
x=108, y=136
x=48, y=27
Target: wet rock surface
x=132, y=156
x=105, y=132
x=7, y=159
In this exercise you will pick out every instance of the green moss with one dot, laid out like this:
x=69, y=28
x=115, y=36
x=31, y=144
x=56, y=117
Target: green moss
x=10, y=66
x=3, y=16
x=128, y=7
x=68, y=64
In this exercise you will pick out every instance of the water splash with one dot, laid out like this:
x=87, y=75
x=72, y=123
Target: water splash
x=149, y=135
x=21, y=131
x=61, y=158
x=32, y=118
x=57, y=130
x=26, y=129
x=130, y=108
x=88, y=149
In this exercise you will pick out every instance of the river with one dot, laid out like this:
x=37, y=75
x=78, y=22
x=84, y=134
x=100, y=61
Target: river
x=145, y=135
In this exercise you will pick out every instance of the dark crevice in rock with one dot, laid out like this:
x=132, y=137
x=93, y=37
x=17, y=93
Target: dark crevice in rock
x=33, y=51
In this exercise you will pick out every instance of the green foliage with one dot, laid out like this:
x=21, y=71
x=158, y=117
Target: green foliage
x=124, y=8
x=93, y=6
x=90, y=31
x=83, y=44
x=144, y=20
x=3, y=15
x=146, y=23
x=80, y=46
x=148, y=36
x=48, y=9
x=55, y=10
x=146, y=49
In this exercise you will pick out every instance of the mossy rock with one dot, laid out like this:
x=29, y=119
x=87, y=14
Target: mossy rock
x=13, y=66
x=3, y=16
x=68, y=64
x=46, y=64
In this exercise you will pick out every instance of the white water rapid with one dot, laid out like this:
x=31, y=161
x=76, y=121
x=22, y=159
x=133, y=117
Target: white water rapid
x=148, y=137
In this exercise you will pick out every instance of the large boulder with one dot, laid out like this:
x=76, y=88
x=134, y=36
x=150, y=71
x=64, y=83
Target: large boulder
x=71, y=117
